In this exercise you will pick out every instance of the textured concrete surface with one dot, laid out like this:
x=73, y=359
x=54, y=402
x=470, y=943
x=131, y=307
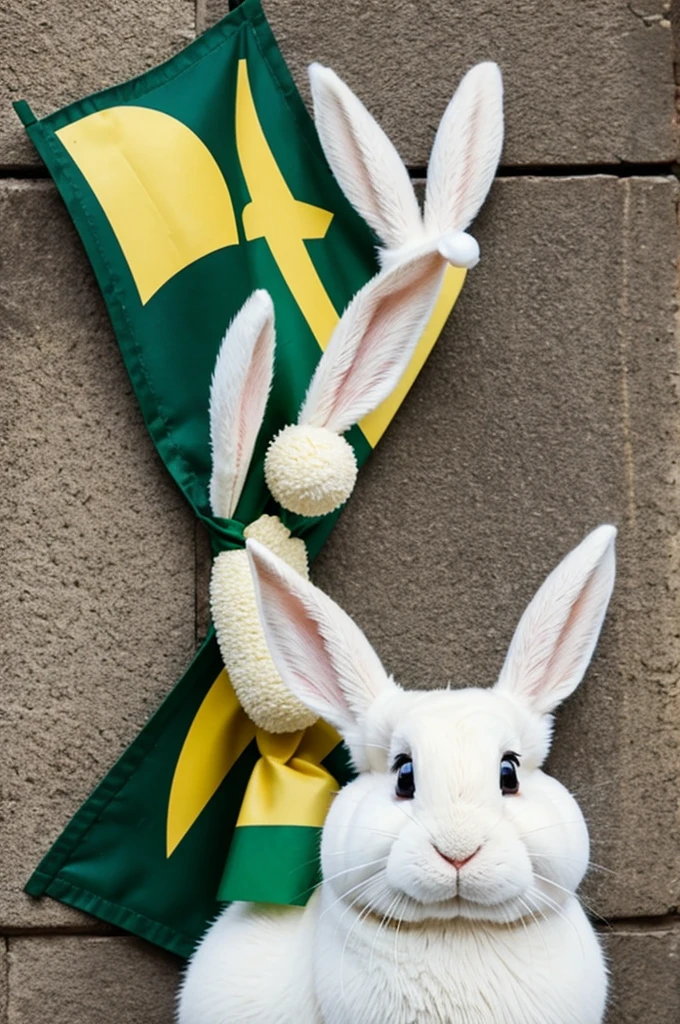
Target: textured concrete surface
x=97, y=980
x=586, y=82
x=56, y=52
x=62, y=979
x=4, y=979
x=549, y=405
x=96, y=572
x=645, y=974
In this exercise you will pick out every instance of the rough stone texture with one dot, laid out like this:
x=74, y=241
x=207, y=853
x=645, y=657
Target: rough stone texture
x=97, y=547
x=57, y=52
x=64, y=979
x=3, y=979
x=102, y=979
x=586, y=82
x=645, y=980
x=548, y=406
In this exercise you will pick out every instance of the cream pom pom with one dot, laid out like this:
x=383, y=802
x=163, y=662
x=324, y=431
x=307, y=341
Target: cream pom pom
x=310, y=470
x=259, y=688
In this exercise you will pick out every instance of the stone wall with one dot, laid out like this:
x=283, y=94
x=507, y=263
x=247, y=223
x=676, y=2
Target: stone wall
x=550, y=404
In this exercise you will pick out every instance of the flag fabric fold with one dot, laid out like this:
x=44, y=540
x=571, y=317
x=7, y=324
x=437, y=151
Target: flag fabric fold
x=190, y=187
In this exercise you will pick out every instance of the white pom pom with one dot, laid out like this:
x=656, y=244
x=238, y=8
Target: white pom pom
x=310, y=470
x=460, y=249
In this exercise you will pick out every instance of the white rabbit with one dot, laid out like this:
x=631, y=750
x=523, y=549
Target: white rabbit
x=450, y=865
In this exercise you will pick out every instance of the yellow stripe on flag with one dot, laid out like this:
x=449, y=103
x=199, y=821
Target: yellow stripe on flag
x=219, y=734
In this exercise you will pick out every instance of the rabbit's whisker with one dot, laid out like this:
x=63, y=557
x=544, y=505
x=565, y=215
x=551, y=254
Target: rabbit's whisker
x=554, y=824
x=360, y=885
x=368, y=909
x=558, y=910
x=570, y=860
x=590, y=910
x=357, y=867
x=386, y=917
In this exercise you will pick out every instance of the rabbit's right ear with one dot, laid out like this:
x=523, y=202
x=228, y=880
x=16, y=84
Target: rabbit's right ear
x=238, y=396
x=320, y=654
x=556, y=636
x=466, y=151
x=367, y=166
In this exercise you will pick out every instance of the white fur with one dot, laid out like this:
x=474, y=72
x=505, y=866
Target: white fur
x=365, y=163
x=398, y=934
x=238, y=396
x=373, y=343
x=368, y=168
x=466, y=151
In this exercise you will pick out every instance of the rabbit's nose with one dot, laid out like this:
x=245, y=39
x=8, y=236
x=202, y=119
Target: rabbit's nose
x=458, y=864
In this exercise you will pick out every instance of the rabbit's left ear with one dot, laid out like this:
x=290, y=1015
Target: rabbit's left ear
x=557, y=634
x=466, y=151
x=372, y=344
x=238, y=397
x=310, y=467
x=321, y=655
x=367, y=166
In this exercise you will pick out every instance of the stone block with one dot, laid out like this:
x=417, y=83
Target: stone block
x=88, y=980
x=55, y=53
x=645, y=974
x=590, y=82
x=3, y=979
x=97, y=570
x=548, y=406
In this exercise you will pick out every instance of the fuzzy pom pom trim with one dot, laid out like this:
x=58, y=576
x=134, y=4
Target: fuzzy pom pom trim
x=259, y=688
x=310, y=470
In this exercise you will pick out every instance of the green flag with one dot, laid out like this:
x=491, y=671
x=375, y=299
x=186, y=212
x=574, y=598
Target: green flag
x=190, y=187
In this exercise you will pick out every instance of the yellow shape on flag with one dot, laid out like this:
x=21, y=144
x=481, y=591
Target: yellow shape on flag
x=160, y=187
x=219, y=734
x=277, y=216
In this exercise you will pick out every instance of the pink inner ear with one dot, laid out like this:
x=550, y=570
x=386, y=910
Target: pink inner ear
x=466, y=175
x=298, y=648
x=357, y=171
x=392, y=319
x=568, y=650
x=253, y=400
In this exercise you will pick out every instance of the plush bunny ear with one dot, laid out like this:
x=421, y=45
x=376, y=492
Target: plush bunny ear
x=373, y=344
x=310, y=468
x=365, y=163
x=466, y=151
x=321, y=655
x=238, y=397
x=556, y=636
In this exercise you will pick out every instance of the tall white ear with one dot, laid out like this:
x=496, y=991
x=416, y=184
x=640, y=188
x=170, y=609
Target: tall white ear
x=238, y=397
x=466, y=151
x=556, y=636
x=321, y=655
x=365, y=163
x=373, y=343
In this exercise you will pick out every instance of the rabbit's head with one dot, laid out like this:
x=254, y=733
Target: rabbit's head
x=451, y=815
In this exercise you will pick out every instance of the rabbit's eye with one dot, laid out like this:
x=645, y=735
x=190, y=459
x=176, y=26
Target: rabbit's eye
x=509, y=780
x=406, y=781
